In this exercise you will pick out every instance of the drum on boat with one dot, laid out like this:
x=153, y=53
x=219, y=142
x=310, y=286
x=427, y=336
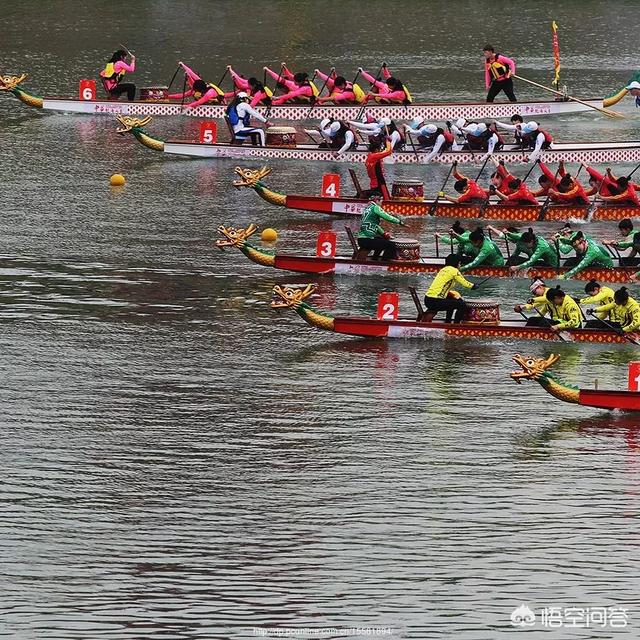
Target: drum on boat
x=281, y=137
x=407, y=249
x=154, y=94
x=482, y=312
x=407, y=190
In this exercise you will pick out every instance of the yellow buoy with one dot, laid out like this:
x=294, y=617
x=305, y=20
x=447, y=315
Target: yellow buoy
x=269, y=235
x=117, y=180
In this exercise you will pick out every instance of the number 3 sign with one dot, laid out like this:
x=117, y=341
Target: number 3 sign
x=326, y=245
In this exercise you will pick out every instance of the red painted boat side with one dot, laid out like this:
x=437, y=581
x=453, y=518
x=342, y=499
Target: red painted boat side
x=623, y=400
x=304, y=264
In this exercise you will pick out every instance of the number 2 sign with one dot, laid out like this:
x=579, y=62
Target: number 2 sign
x=388, y=303
x=331, y=185
x=208, y=132
x=326, y=245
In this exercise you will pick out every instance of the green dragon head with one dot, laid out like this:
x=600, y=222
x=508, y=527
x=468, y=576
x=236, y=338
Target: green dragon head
x=533, y=368
x=9, y=83
x=291, y=297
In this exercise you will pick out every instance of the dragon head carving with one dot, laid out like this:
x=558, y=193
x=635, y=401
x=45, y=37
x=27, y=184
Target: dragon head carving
x=128, y=123
x=8, y=83
x=288, y=296
x=532, y=368
x=232, y=237
x=250, y=177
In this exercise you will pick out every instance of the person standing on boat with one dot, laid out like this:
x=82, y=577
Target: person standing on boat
x=260, y=95
x=470, y=191
x=239, y=114
x=591, y=254
x=600, y=296
x=630, y=240
x=341, y=91
x=371, y=235
x=113, y=73
x=487, y=251
x=498, y=70
x=625, y=308
x=389, y=91
x=373, y=165
x=442, y=296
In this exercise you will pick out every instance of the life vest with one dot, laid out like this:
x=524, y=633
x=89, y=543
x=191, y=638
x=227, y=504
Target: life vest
x=380, y=98
x=498, y=70
x=234, y=117
x=528, y=140
x=109, y=73
x=430, y=140
x=219, y=93
x=266, y=89
x=481, y=142
x=339, y=139
x=358, y=93
x=474, y=192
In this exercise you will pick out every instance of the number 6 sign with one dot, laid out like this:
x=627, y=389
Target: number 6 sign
x=208, y=132
x=87, y=89
x=326, y=245
x=388, y=303
x=331, y=185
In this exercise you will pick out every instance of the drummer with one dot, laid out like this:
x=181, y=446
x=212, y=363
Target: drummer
x=441, y=295
x=487, y=252
x=371, y=236
x=373, y=164
x=113, y=73
x=470, y=191
x=202, y=92
x=239, y=114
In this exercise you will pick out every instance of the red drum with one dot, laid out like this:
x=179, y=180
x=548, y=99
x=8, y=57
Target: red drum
x=407, y=249
x=407, y=190
x=281, y=137
x=154, y=94
x=482, y=312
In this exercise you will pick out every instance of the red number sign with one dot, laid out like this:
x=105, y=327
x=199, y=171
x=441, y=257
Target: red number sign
x=326, y=245
x=330, y=185
x=634, y=376
x=388, y=303
x=208, y=132
x=87, y=90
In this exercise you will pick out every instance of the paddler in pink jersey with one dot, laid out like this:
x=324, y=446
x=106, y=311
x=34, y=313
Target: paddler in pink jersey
x=202, y=92
x=341, y=91
x=259, y=94
x=391, y=90
x=113, y=73
x=300, y=88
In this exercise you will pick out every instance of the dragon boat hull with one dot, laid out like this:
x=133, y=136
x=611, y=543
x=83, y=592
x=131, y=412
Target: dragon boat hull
x=299, y=112
x=620, y=400
x=589, y=153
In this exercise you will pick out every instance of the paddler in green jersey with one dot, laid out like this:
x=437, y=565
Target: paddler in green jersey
x=537, y=251
x=459, y=236
x=371, y=235
x=590, y=254
x=630, y=240
x=487, y=252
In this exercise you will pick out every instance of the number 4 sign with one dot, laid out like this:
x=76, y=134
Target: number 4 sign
x=208, y=132
x=326, y=245
x=331, y=185
x=388, y=303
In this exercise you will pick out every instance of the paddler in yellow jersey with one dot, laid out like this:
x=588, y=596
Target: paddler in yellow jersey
x=441, y=295
x=538, y=303
x=625, y=308
x=564, y=311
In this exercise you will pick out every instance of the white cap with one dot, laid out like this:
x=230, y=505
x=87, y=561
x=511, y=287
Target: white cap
x=633, y=85
x=384, y=121
x=335, y=127
x=460, y=122
x=536, y=284
x=324, y=123
x=416, y=122
x=243, y=94
x=431, y=128
x=530, y=127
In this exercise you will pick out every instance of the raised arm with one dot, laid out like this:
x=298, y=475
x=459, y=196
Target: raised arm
x=238, y=80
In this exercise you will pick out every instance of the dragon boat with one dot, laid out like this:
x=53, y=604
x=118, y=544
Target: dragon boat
x=423, y=326
x=432, y=111
x=578, y=152
x=359, y=264
x=538, y=369
x=353, y=206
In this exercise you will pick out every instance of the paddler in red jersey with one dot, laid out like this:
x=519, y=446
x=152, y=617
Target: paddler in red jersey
x=626, y=193
x=569, y=191
x=498, y=70
x=470, y=191
x=604, y=184
x=501, y=178
x=520, y=193
x=548, y=179
x=373, y=164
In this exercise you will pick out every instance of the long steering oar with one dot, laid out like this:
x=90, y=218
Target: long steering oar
x=434, y=206
x=607, y=112
x=543, y=209
x=620, y=332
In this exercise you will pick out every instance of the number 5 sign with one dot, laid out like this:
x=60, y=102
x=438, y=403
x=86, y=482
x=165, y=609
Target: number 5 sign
x=388, y=303
x=208, y=132
x=87, y=89
x=331, y=185
x=326, y=245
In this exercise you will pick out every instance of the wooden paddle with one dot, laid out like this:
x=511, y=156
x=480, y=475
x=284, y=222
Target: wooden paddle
x=267, y=114
x=315, y=102
x=607, y=112
x=558, y=333
x=620, y=332
x=173, y=78
x=371, y=85
x=434, y=206
x=543, y=210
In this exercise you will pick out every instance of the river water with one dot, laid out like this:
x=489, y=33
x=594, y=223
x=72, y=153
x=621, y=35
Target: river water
x=178, y=461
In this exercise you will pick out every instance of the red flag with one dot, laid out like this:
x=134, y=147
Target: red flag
x=556, y=53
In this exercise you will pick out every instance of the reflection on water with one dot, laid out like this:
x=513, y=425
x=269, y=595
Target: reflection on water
x=182, y=462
